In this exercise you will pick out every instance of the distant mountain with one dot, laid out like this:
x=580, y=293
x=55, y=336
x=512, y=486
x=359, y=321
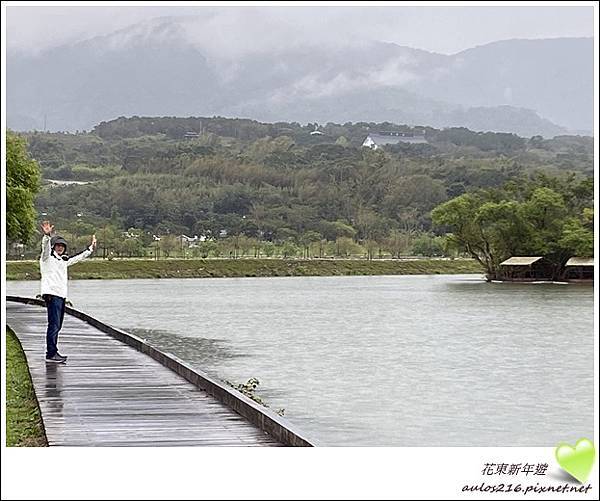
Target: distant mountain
x=157, y=68
x=554, y=77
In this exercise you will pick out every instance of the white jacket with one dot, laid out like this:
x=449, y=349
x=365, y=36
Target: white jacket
x=54, y=268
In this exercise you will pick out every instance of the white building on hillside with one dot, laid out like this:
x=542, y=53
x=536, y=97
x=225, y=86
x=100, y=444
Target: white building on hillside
x=377, y=139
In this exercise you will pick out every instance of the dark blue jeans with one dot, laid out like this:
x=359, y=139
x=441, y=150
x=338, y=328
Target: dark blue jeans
x=56, y=314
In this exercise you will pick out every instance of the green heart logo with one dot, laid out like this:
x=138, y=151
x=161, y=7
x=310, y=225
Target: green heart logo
x=578, y=460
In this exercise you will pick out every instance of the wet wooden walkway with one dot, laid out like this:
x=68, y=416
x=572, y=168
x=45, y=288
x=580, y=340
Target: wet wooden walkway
x=109, y=394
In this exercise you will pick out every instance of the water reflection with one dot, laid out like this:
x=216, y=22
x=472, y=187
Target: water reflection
x=394, y=360
x=200, y=352
x=53, y=388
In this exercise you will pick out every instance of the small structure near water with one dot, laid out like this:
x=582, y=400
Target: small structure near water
x=526, y=269
x=539, y=269
x=579, y=269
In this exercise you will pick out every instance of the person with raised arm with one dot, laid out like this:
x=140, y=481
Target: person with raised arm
x=54, y=262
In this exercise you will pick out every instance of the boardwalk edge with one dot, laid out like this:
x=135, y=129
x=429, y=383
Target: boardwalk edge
x=262, y=417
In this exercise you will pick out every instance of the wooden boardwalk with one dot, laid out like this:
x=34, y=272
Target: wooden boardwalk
x=109, y=394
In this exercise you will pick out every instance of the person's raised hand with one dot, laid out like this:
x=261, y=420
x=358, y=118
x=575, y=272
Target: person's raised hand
x=47, y=227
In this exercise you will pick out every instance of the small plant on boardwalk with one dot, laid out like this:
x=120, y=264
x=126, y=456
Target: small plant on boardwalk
x=249, y=389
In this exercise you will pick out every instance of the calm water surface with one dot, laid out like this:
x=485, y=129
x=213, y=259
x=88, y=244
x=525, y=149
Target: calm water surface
x=392, y=360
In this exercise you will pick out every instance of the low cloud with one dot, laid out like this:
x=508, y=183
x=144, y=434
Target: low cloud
x=394, y=72
x=233, y=31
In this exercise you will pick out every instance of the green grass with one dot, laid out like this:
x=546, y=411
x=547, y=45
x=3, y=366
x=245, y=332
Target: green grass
x=206, y=268
x=24, y=426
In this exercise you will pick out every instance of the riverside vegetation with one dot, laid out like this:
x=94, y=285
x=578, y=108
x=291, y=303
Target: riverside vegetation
x=247, y=188
x=206, y=268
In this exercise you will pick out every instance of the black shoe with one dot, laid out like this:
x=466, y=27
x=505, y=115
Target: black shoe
x=59, y=359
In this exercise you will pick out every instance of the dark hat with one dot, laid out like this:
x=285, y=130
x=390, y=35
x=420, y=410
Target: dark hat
x=58, y=240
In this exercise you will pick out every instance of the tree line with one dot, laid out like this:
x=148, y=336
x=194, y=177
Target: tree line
x=281, y=186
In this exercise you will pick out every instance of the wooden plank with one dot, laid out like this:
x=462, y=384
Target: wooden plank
x=109, y=394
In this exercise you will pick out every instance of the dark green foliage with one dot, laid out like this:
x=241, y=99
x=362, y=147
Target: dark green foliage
x=526, y=218
x=484, y=141
x=22, y=184
x=277, y=182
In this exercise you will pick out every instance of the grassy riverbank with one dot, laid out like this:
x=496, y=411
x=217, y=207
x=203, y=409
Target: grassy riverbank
x=24, y=426
x=206, y=268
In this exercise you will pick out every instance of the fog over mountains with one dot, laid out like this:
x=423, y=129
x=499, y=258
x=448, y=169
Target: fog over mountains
x=173, y=67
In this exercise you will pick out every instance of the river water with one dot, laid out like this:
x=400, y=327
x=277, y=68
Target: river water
x=378, y=361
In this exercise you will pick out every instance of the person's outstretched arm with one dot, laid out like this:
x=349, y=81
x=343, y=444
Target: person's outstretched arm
x=83, y=255
x=47, y=229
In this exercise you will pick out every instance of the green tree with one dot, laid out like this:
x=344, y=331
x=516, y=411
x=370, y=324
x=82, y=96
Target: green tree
x=132, y=247
x=419, y=191
x=206, y=248
x=398, y=242
x=575, y=240
x=491, y=228
x=371, y=246
x=505, y=229
x=319, y=248
x=268, y=248
x=246, y=244
x=428, y=245
x=168, y=243
x=334, y=229
x=107, y=238
x=367, y=224
x=289, y=249
x=546, y=212
x=22, y=184
x=588, y=217
x=345, y=247
x=307, y=239
x=459, y=215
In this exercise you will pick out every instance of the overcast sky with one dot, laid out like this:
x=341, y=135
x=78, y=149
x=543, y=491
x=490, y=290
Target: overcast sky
x=439, y=29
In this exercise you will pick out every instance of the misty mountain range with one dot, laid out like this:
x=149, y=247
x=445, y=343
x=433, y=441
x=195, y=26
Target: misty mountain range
x=159, y=68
